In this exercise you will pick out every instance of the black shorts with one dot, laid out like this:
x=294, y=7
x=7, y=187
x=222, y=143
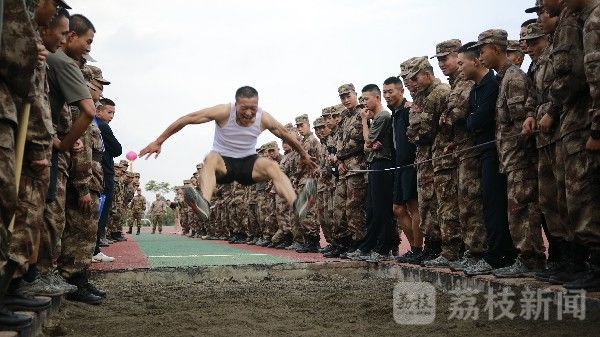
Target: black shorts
x=405, y=185
x=238, y=169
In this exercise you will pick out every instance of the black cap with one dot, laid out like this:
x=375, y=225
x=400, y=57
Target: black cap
x=62, y=4
x=535, y=8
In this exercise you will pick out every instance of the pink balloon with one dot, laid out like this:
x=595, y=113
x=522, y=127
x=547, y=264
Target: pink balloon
x=131, y=156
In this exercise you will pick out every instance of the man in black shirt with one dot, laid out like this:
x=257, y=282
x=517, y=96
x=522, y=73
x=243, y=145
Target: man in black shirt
x=481, y=122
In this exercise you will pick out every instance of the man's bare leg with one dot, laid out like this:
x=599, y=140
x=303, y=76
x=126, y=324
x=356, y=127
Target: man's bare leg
x=404, y=220
x=413, y=209
x=214, y=167
x=265, y=170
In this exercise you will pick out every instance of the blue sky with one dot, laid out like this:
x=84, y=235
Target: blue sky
x=169, y=58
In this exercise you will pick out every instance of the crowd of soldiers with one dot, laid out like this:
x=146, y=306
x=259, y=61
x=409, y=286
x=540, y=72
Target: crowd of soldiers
x=63, y=197
x=482, y=166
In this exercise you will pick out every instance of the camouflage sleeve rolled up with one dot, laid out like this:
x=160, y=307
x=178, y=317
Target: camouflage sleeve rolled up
x=591, y=45
x=569, y=77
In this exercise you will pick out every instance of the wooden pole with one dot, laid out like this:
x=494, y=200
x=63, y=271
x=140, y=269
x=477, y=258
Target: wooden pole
x=20, y=150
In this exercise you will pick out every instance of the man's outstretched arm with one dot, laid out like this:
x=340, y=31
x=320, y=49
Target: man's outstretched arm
x=216, y=113
x=280, y=132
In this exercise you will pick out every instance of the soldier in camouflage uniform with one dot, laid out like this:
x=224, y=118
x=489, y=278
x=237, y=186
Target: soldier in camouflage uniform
x=325, y=179
x=238, y=214
x=115, y=225
x=309, y=225
x=252, y=229
x=582, y=158
x=268, y=203
x=350, y=192
x=157, y=211
x=19, y=69
x=447, y=177
x=138, y=207
x=332, y=116
x=129, y=189
x=424, y=122
x=514, y=53
x=283, y=238
x=518, y=156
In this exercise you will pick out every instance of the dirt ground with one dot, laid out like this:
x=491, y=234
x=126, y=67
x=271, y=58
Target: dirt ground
x=314, y=306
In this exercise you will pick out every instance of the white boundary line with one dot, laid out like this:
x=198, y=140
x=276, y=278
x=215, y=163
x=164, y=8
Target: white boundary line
x=204, y=255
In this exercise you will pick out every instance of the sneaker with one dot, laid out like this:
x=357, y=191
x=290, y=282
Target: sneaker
x=376, y=257
x=305, y=199
x=84, y=295
x=518, y=269
x=404, y=258
x=58, y=281
x=438, y=262
x=92, y=289
x=39, y=287
x=467, y=261
x=101, y=257
x=357, y=255
x=18, y=300
x=197, y=202
x=480, y=268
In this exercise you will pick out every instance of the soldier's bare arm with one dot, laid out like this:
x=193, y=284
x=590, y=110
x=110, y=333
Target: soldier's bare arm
x=218, y=113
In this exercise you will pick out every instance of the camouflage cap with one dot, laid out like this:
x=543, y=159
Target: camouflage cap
x=289, y=127
x=346, y=88
x=535, y=8
x=187, y=182
x=338, y=109
x=199, y=166
x=534, y=31
x=327, y=111
x=124, y=163
x=271, y=146
x=97, y=75
x=130, y=174
x=513, y=45
x=492, y=36
x=405, y=66
x=261, y=148
x=319, y=122
x=302, y=119
x=137, y=175
x=416, y=65
x=447, y=47
x=88, y=75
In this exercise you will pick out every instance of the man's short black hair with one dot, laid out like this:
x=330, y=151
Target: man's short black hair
x=245, y=92
x=373, y=88
x=394, y=80
x=107, y=101
x=80, y=24
x=528, y=22
x=469, y=50
x=60, y=13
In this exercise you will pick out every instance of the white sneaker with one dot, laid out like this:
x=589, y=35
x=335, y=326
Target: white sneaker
x=101, y=257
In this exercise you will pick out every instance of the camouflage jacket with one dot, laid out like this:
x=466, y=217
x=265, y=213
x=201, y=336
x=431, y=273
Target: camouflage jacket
x=516, y=101
x=18, y=57
x=543, y=75
x=591, y=47
x=312, y=145
x=158, y=207
x=86, y=168
x=138, y=204
x=458, y=109
x=350, y=142
x=568, y=92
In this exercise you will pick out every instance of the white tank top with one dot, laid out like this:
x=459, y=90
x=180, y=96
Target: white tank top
x=235, y=141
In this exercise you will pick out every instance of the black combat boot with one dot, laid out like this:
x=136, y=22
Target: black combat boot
x=311, y=245
x=82, y=294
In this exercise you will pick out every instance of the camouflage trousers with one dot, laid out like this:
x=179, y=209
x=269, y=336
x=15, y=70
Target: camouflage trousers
x=79, y=237
x=267, y=218
x=54, y=219
x=446, y=191
x=309, y=225
x=579, y=180
x=29, y=219
x=428, y=202
x=252, y=225
x=238, y=217
x=8, y=199
x=158, y=220
x=471, y=205
x=349, y=207
x=549, y=196
x=115, y=222
x=224, y=220
x=183, y=220
x=136, y=219
x=193, y=220
x=324, y=216
x=284, y=219
x=524, y=217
